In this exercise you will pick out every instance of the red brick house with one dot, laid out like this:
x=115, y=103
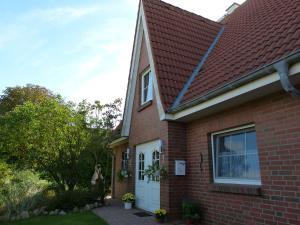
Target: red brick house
x=217, y=104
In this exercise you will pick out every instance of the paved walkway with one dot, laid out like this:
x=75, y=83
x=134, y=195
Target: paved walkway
x=114, y=214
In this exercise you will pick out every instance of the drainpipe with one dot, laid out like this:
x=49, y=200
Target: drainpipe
x=282, y=68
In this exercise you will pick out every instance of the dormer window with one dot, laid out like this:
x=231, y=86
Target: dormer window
x=146, y=87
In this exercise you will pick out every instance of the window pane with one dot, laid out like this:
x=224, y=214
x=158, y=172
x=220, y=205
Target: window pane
x=224, y=166
x=224, y=145
x=237, y=145
x=237, y=166
x=146, y=80
x=145, y=94
x=251, y=142
x=252, y=166
x=150, y=88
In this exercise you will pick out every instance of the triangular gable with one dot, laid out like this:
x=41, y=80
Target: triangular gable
x=140, y=34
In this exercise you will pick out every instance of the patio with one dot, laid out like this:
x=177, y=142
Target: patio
x=114, y=214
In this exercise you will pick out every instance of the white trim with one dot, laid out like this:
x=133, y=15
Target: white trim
x=132, y=78
x=233, y=129
x=230, y=181
x=256, y=84
x=119, y=141
x=140, y=31
x=162, y=114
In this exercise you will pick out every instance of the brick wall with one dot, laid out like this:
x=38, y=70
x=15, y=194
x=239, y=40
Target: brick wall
x=277, y=123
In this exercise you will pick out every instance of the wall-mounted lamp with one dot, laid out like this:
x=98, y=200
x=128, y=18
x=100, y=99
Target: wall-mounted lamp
x=128, y=152
x=161, y=146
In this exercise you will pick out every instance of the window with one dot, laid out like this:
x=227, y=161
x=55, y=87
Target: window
x=235, y=156
x=124, y=164
x=146, y=91
x=155, y=161
x=141, y=166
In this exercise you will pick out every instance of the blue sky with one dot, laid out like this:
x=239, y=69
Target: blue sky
x=80, y=49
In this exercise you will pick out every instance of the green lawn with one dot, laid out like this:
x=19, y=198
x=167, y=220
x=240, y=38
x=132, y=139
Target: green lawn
x=71, y=219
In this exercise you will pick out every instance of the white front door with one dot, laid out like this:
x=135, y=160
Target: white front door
x=147, y=191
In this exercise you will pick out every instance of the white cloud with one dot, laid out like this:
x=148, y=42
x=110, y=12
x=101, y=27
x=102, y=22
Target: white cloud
x=61, y=14
x=110, y=83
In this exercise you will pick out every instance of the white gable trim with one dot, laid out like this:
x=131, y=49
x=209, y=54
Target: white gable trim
x=151, y=61
x=140, y=31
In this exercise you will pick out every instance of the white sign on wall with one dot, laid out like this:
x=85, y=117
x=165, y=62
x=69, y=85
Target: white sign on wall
x=180, y=166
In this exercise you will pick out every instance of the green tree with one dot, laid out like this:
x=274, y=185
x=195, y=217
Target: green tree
x=13, y=96
x=48, y=137
x=100, y=119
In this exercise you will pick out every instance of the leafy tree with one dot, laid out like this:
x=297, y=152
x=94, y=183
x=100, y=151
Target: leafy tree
x=13, y=96
x=101, y=120
x=61, y=141
x=48, y=137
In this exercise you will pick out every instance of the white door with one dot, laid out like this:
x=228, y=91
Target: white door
x=147, y=191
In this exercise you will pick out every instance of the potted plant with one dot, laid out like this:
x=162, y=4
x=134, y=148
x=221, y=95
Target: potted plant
x=156, y=170
x=190, y=213
x=123, y=174
x=160, y=215
x=128, y=199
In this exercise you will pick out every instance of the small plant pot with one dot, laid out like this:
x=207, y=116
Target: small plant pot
x=160, y=219
x=127, y=205
x=189, y=222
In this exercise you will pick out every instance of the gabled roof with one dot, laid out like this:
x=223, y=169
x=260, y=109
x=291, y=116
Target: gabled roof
x=256, y=34
x=179, y=39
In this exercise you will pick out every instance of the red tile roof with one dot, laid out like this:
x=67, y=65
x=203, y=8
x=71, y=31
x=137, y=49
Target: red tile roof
x=256, y=34
x=178, y=39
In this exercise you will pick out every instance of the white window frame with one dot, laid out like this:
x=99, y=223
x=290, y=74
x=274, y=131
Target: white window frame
x=150, y=87
x=230, y=181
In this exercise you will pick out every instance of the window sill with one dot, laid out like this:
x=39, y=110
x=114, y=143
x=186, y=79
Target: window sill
x=145, y=105
x=243, y=189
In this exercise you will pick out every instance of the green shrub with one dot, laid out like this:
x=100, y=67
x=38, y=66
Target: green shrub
x=190, y=211
x=67, y=200
x=22, y=191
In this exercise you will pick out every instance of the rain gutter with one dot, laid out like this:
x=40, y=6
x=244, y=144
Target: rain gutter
x=281, y=66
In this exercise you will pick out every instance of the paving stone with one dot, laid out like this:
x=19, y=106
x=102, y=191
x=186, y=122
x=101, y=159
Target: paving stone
x=115, y=214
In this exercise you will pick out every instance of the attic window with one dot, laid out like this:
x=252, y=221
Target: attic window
x=146, y=87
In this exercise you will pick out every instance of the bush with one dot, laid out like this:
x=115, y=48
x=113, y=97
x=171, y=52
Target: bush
x=22, y=191
x=68, y=200
x=190, y=211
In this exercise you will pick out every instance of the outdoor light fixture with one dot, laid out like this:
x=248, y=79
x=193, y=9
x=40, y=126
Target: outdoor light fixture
x=161, y=146
x=128, y=152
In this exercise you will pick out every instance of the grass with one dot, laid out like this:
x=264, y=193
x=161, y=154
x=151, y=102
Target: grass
x=87, y=218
